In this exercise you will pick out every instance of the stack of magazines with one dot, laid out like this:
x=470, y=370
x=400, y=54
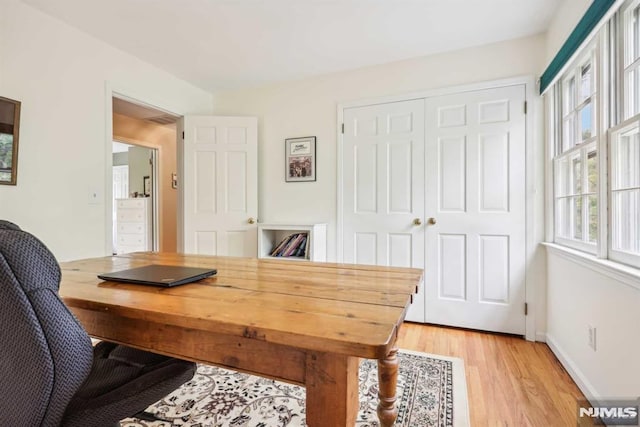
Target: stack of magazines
x=294, y=245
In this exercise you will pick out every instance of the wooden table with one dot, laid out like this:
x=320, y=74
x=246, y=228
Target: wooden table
x=301, y=322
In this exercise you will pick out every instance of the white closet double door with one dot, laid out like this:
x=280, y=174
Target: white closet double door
x=439, y=183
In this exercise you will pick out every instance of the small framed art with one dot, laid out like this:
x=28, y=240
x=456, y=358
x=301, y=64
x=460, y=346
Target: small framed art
x=9, y=133
x=300, y=159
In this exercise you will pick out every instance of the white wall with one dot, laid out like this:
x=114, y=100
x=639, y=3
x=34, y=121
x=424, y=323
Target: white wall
x=3, y=18
x=309, y=107
x=578, y=297
x=61, y=75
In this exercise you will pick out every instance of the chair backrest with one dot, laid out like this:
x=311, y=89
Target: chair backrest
x=45, y=354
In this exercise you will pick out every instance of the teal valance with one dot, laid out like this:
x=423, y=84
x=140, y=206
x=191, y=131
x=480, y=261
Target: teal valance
x=589, y=21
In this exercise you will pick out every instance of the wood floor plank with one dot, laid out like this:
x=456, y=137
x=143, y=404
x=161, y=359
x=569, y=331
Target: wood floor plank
x=510, y=381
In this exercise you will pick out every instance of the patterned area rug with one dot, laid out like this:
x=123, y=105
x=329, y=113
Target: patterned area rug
x=432, y=391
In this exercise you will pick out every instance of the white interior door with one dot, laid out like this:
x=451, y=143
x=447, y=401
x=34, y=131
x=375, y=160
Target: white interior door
x=383, y=187
x=219, y=185
x=475, y=192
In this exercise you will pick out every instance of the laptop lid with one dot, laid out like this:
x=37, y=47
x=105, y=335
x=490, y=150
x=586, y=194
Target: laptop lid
x=159, y=275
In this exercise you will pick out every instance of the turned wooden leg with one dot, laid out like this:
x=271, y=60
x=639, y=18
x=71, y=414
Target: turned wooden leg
x=387, y=383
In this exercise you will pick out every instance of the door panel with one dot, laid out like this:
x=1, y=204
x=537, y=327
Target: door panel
x=206, y=242
x=475, y=189
x=384, y=175
x=493, y=162
x=236, y=182
x=452, y=254
x=365, y=249
x=220, y=185
x=494, y=269
x=205, y=183
x=400, y=248
x=453, y=173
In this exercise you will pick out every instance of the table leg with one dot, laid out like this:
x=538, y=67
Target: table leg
x=387, y=384
x=332, y=390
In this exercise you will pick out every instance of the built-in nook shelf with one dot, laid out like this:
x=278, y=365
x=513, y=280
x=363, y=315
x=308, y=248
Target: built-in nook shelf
x=270, y=235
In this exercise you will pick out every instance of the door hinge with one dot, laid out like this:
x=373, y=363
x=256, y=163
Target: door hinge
x=343, y=128
x=182, y=134
x=526, y=309
x=525, y=107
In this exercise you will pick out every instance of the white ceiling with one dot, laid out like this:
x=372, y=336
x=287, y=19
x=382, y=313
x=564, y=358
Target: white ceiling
x=225, y=44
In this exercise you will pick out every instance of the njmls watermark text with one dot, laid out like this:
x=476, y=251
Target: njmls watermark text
x=618, y=412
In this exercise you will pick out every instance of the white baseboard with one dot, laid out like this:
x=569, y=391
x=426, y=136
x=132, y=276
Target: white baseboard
x=541, y=337
x=576, y=374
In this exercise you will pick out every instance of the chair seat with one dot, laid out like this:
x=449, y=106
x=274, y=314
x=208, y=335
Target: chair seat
x=123, y=380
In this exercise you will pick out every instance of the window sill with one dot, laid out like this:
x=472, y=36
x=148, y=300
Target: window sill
x=629, y=276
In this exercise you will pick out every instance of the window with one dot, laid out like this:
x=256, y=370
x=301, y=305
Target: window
x=576, y=161
x=624, y=149
x=597, y=201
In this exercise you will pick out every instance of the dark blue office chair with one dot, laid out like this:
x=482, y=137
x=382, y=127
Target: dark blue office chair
x=50, y=374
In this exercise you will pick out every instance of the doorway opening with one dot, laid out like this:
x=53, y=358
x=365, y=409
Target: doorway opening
x=134, y=198
x=144, y=190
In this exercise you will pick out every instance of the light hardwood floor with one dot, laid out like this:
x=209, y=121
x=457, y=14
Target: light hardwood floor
x=510, y=381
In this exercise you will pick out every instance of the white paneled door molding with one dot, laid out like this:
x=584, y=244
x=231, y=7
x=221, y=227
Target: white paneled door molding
x=220, y=185
x=439, y=183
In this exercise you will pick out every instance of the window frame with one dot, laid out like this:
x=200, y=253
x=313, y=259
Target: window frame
x=569, y=109
x=624, y=257
x=626, y=64
x=627, y=118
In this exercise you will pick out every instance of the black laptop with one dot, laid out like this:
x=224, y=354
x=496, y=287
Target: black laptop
x=159, y=275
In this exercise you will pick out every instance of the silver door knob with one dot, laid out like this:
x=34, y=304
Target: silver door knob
x=431, y=221
x=251, y=221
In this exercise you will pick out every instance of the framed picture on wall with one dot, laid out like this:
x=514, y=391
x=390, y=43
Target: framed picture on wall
x=300, y=159
x=9, y=135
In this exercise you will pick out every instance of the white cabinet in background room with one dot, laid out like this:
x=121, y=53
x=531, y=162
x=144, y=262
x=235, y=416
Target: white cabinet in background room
x=270, y=235
x=133, y=225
